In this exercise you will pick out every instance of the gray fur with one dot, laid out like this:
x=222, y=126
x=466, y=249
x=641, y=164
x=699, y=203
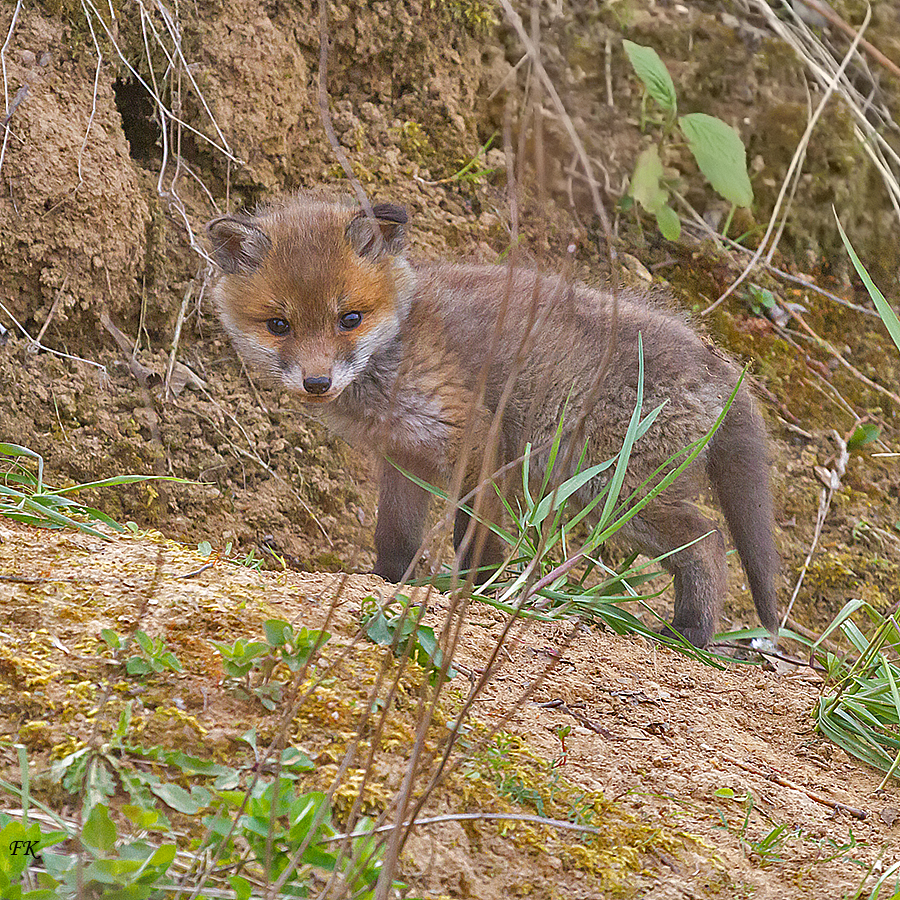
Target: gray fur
x=416, y=375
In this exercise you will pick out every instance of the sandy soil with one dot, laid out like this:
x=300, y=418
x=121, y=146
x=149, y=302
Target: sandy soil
x=663, y=739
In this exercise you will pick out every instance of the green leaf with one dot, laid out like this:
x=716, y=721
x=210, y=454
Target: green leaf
x=278, y=632
x=762, y=298
x=556, y=499
x=143, y=641
x=120, y=479
x=646, y=185
x=135, y=665
x=378, y=631
x=631, y=432
x=863, y=435
x=242, y=888
x=180, y=800
x=111, y=638
x=297, y=760
x=16, y=450
x=721, y=156
x=650, y=69
x=99, y=833
x=669, y=223
x=145, y=819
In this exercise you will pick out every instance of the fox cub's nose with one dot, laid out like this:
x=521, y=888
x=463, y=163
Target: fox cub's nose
x=317, y=384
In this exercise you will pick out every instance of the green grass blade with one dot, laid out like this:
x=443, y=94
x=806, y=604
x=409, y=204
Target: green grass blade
x=627, y=444
x=11, y=492
x=558, y=497
x=885, y=310
x=61, y=520
x=117, y=480
x=17, y=450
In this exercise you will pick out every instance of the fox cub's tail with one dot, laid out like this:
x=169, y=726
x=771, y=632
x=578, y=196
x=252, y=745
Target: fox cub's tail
x=738, y=468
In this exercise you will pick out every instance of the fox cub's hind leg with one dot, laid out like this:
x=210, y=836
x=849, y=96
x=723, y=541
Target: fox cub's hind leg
x=700, y=570
x=402, y=510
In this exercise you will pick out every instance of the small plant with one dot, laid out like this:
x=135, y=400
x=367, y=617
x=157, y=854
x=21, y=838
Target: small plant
x=765, y=849
x=473, y=171
x=507, y=774
x=249, y=561
x=153, y=656
x=715, y=145
x=25, y=496
x=251, y=666
x=404, y=631
x=762, y=300
x=529, y=780
x=860, y=704
x=266, y=832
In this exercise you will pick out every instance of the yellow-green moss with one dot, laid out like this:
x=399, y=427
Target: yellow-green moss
x=476, y=15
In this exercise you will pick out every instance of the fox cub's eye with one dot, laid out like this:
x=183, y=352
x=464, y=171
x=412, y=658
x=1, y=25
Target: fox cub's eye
x=278, y=326
x=349, y=321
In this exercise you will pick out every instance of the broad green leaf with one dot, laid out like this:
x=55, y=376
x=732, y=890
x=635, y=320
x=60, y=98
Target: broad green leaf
x=721, y=155
x=137, y=666
x=242, y=888
x=143, y=640
x=650, y=69
x=292, y=758
x=146, y=819
x=669, y=223
x=180, y=800
x=277, y=632
x=98, y=832
x=378, y=631
x=646, y=185
x=99, y=783
x=112, y=640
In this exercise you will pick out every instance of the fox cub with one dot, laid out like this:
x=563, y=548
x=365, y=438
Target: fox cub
x=321, y=299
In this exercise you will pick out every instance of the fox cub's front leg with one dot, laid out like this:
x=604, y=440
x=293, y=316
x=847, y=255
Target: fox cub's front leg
x=402, y=510
x=402, y=513
x=480, y=548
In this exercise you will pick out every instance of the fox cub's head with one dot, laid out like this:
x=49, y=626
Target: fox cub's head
x=311, y=290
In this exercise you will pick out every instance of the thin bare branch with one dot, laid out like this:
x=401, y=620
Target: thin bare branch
x=8, y=112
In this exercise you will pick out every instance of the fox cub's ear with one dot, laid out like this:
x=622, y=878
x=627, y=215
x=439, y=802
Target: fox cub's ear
x=386, y=235
x=238, y=246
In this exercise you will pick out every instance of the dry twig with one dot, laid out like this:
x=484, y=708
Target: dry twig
x=813, y=795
